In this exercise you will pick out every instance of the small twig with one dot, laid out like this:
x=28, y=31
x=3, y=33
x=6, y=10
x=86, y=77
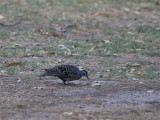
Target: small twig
x=61, y=28
x=11, y=24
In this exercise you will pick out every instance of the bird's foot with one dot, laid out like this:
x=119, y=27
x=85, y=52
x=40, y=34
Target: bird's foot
x=64, y=82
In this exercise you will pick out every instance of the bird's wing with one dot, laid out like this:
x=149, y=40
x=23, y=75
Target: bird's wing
x=52, y=72
x=67, y=70
x=63, y=71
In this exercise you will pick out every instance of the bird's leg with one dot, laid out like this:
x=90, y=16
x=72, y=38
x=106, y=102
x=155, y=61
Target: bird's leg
x=64, y=82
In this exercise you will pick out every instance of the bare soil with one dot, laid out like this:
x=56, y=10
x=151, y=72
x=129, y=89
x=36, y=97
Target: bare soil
x=39, y=99
x=47, y=98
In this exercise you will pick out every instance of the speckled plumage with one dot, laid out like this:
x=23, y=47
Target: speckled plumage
x=66, y=72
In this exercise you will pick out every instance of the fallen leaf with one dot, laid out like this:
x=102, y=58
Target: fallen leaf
x=107, y=41
x=138, y=74
x=39, y=30
x=67, y=113
x=3, y=72
x=49, y=52
x=1, y=16
x=36, y=44
x=61, y=27
x=137, y=13
x=105, y=14
x=124, y=87
x=13, y=64
x=133, y=65
x=17, y=45
x=76, y=115
x=87, y=98
x=126, y=9
x=92, y=49
x=132, y=70
x=77, y=33
x=140, y=82
x=146, y=7
x=114, y=12
x=59, y=34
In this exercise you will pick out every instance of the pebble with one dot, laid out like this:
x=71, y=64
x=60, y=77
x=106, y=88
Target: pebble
x=97, y=83
x=67, y=113
x=39, y=88
x=19, y=80
x=150, y=91
x=135, y=79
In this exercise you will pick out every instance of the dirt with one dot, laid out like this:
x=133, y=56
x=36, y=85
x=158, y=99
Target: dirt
x=34, y=98
x=39, y=98
x=47, y=98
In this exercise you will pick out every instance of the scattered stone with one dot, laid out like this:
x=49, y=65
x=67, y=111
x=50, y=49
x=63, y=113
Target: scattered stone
x=3, y=72
x=125, y=87
x=133, y=65
x=150, y=91
x=39, y=88
x=19, y=80
x=107, y=41
x=140, y=82
x=1, y=16
x=135, y=79
x=59, y=60
x=17, y=45
x=97, y=83
x=29, y=55
x=67, y=113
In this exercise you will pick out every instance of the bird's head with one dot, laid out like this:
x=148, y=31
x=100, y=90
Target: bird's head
x=85, y=73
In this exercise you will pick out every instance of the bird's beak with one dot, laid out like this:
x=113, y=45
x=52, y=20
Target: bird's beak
x=87, y=77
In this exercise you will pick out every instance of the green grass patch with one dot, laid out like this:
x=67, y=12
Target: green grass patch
x=151, y=72
x=151, y=53
x=26, y=68
x=88, y=37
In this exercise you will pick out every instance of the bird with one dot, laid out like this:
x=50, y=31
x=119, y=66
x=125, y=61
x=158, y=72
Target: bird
x=65, y=72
